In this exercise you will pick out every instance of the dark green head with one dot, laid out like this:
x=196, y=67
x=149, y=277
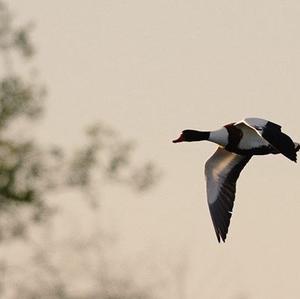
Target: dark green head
x=192, y=135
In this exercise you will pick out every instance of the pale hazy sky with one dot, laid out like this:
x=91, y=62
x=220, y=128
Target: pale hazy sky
x=153, y=68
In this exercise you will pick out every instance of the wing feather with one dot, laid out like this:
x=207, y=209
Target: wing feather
x=222, y=170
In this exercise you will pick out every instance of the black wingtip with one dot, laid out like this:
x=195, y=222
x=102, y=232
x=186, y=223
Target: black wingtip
x=221, y=237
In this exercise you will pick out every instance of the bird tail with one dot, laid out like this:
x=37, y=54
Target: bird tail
x=297, y=146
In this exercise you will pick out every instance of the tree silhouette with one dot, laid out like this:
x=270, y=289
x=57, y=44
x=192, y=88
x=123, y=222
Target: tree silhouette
x=27, y=170
x=31, y=172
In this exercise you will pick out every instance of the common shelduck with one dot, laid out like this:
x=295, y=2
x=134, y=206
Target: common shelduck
x=238, y=142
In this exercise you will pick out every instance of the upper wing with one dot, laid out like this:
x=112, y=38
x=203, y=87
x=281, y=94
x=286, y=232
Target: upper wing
x=222, y=170
x=272, y=133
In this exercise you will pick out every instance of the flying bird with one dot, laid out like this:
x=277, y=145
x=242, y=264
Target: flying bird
x=238, y=142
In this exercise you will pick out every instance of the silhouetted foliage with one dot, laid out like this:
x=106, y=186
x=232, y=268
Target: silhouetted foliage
x=19, y=166
x=30, y=172
x=27, y=171
x=106, y=154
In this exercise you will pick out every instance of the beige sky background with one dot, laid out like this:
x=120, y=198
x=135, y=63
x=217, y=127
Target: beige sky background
x=153, y=68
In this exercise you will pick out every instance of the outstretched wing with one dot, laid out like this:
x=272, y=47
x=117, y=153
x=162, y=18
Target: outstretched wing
x=222, y=171
x=272, y=133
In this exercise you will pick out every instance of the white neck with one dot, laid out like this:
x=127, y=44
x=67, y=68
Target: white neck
x=219, y=137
